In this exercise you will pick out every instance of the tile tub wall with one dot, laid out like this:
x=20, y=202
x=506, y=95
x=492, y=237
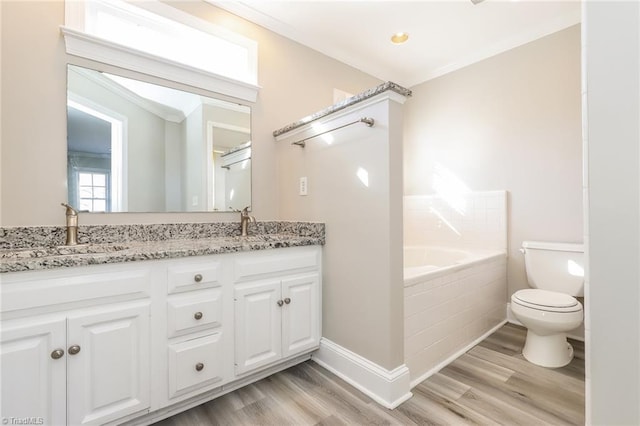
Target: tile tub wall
x=444, y=315
x=480, y=220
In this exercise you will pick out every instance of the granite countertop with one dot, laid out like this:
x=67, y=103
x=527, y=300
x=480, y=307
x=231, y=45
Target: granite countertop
x=161, y=245
x=389, y=85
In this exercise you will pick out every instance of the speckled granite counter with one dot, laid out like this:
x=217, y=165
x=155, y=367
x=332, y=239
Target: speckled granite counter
x=36, y=248
x=389, y=85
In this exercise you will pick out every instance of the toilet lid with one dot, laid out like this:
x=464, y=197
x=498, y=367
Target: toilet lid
x=546, y=300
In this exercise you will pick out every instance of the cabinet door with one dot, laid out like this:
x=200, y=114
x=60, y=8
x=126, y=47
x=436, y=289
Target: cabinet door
x=109, y=377
x=33, y=382
x=258, y=322
x=300, y=314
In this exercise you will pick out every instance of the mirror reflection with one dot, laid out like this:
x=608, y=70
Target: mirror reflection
x=133, y=146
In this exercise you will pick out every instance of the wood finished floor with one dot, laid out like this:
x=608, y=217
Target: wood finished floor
x=490, y=384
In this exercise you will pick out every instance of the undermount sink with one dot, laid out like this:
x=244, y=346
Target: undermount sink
x=39, y=252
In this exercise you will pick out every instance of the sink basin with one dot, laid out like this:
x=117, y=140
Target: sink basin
x=61, y=251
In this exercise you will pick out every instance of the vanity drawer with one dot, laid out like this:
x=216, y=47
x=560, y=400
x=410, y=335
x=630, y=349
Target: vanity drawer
x=194, y=311
x=196, y=363
x=260, y=264
x=51, y=290
x=193, y=276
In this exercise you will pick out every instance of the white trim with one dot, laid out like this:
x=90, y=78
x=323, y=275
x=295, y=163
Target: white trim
x=163, y=111
x=245, y=10
x=98, y=49
x=211, y=180
x=387, y=388
x=449, y=360
x=76, y=15
x=245, y=109
x=233, y=128
x=560, y=23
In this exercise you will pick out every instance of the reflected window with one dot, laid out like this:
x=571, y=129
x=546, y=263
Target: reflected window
x=93, y=191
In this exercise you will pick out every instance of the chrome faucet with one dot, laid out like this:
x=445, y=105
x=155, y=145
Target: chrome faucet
x=245, y=218
x=72, y=225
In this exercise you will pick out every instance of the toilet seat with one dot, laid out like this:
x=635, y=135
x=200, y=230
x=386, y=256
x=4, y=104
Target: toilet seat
x=545, y=300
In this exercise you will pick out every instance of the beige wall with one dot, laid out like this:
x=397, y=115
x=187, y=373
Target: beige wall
x=362, y=283
x=509, y=122
x=295, y=81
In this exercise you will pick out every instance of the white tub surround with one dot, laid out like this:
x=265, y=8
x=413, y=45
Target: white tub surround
x=359, y=169
x=434, y=262
x=450, y=309
x=471, y=219
x=455, y=272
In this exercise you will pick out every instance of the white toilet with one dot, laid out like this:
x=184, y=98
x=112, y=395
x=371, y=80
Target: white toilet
x=549, y=309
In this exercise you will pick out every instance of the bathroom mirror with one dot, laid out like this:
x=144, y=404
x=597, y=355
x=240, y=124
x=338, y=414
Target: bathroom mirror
x=133, y=146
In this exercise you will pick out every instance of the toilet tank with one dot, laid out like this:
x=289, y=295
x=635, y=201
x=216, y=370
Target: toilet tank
x=555, y=266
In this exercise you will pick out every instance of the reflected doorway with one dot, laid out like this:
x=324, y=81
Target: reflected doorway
x=96, y=171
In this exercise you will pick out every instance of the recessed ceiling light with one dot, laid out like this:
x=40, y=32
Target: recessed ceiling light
x=399, y=38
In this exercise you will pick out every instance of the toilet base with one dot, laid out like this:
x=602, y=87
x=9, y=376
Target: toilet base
x=550, y=351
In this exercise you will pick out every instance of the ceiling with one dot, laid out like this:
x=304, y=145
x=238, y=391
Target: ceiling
x=444, y=35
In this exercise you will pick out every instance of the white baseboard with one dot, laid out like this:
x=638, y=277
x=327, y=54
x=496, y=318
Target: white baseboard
x=387, y=388
x=577, y=334
x=453, y=357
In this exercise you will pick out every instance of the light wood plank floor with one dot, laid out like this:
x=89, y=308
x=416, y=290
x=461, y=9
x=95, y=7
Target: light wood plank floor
x=490, y=384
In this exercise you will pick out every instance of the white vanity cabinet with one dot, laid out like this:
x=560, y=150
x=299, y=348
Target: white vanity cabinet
x=107, y=362
x=132, y=343
x=199, y=322
x=75, y=357
x=277, y=307
x=33, y=377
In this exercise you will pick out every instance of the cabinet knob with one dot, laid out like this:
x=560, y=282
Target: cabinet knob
x=280, y=302
x=287, y=300
x=199, y=366
x=197, y=278
x=73, y=349
x=57, y=354
x=197, y=315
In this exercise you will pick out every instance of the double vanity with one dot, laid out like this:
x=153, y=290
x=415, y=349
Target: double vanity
x=139, y=322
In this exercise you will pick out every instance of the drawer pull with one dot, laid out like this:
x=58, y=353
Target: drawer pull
x=197, y=278
x=73, y=349
x=280, y=302
x=57, y=354
x=197, y=315
x=199, y=366
x=287, y=300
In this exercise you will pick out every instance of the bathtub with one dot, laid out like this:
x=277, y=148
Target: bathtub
x=421, y=261
x=453, y=298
